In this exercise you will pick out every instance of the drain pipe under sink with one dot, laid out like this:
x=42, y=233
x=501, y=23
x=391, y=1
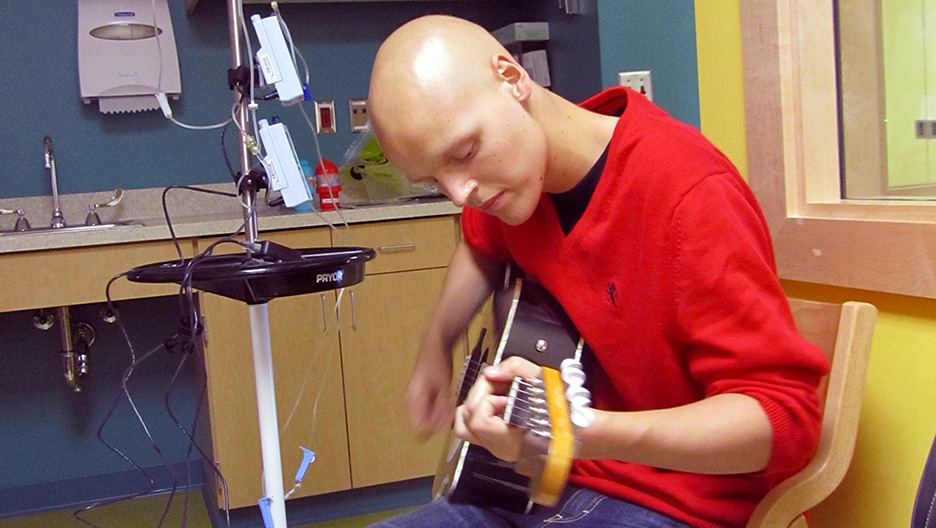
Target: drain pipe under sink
x=76, y=338
x=68, y=350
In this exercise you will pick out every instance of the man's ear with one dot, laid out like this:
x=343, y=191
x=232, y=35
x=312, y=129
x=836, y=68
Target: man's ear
x=513, y=74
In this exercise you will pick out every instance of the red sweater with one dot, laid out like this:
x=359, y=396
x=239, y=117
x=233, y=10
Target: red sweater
x=670, y=277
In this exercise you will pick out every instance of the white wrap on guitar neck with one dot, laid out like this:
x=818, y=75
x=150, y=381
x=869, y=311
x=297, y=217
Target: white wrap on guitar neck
x=580, y=412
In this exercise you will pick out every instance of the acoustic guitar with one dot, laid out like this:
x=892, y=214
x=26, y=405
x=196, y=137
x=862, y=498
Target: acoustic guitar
x=522, y=319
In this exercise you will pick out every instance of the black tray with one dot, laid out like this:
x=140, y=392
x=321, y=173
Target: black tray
x=257, y=281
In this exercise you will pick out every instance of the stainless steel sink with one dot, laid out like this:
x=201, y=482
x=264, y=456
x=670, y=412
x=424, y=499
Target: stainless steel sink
x=70, y=229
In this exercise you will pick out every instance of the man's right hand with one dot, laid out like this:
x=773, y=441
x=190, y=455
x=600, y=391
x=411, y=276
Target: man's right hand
x=430, y=399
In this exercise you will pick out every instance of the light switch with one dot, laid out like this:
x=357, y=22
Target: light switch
x=325, y=117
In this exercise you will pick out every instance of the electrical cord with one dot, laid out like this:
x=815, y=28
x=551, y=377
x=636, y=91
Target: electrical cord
x=160, y=94
x=187, y=341
x=150, y=482
x=188, y=347
x=165, y=208
x=125, y=392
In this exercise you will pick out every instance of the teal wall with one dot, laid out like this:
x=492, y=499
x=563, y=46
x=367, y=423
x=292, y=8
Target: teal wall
x=53, y=456
x=64, y=447
x=97, y=152
x=656, y=35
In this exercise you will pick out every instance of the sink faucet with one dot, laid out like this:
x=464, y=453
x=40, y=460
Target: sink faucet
x=58, y=220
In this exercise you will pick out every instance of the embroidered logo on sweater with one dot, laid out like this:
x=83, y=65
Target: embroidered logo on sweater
x=612, y=289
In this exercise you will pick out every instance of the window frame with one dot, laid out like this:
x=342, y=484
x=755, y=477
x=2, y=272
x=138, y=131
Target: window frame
x=791, y=107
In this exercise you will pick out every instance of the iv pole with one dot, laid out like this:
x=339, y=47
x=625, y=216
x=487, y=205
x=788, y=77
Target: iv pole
x=259, y=315
x=256, y=281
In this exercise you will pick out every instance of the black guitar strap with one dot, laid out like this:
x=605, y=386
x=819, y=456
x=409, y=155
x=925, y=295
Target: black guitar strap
x=542, y=319
x=924, y=511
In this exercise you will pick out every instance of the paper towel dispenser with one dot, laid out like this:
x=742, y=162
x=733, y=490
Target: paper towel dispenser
x=126, y=54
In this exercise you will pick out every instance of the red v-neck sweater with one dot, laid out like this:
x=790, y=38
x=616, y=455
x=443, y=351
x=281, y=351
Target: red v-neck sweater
x=670, y=277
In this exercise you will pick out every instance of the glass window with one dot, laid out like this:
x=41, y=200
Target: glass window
x=887, y=67
x=795, y=106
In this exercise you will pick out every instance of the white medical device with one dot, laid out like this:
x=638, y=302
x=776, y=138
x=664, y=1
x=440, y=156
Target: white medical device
x=282, y=165
x=275, y=61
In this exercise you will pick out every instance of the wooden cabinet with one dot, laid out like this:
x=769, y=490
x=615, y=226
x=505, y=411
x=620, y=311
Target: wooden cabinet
x=379, y=345
x=340, y=374
x=378, y=354
x=36, y=279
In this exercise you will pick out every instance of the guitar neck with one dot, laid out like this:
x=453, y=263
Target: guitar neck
x=523, y=320
x=539, y=407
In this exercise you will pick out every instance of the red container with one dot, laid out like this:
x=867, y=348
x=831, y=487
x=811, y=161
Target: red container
x=328, y=196
x=326, y=185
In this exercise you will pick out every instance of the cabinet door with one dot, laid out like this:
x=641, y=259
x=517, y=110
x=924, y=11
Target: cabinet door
x=34, y=279
x=378, y=353
x=307, y=376
x=403, y=245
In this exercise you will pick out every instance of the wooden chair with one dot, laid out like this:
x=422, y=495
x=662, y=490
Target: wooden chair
x=843, y=331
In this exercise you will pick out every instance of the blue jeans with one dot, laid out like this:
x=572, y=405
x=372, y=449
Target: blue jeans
x=578, y=507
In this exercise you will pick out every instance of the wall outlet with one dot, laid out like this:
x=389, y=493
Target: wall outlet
x=637, y=80
x=358, y=110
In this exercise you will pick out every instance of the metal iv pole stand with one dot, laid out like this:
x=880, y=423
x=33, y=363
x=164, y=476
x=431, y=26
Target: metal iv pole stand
x=256, y=281
x=259, y=315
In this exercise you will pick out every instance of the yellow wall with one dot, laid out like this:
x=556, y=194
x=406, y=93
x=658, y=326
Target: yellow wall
x=898, y=418
x=721, y=83
x=899, y=413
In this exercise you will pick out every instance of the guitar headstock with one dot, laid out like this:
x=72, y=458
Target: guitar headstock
x=544, y=409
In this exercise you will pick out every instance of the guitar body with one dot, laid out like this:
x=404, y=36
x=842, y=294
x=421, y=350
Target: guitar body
x=523, y=320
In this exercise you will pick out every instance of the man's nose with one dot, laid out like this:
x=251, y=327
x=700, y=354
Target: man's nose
x=459, y=188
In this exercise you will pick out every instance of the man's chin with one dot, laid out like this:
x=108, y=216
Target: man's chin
x=510, y=219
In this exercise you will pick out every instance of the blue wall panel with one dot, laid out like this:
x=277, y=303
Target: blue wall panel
x=656, y=35
x=66, y=443
x=97, y=152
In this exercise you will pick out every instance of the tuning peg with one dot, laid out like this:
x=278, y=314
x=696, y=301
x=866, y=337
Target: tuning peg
x=572, y=372
x=578, y=397
x=581, y=417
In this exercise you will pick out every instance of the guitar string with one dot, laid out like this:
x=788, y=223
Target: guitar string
x=525, y=394
x=472, y=368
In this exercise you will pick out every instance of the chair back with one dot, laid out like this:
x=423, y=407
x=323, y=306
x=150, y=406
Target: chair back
x=843, y=332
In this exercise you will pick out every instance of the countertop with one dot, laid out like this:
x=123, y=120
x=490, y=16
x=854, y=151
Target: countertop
x=193, y=214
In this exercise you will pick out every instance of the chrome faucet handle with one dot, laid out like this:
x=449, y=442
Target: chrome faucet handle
x=93, y=218
x=22, y=224
x=57, y=220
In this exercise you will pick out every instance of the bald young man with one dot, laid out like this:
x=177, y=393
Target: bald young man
x=705, y=394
